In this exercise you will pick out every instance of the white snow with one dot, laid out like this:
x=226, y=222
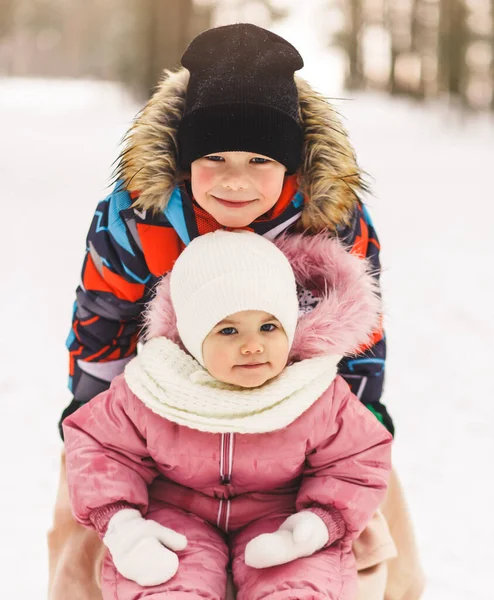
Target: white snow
x=434, y=212
x=433, y=208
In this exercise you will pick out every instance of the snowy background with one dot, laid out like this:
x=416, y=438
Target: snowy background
x=433, y=207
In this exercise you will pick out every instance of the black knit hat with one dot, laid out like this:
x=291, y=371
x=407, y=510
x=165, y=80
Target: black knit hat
x=241, y=96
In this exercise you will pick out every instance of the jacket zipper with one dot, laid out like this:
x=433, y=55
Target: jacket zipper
x=226, y=468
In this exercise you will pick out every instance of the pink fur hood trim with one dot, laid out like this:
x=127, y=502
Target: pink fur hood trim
x=348, y=311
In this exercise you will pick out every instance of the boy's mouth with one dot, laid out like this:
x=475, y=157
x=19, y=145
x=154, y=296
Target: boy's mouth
x=252, y=366
x=233, y=203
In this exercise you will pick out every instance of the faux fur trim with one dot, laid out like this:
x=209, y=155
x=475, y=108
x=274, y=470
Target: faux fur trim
x=159, y=316
x=148, y=163
x=343, y=320
x=349, y=307
x=329, y=177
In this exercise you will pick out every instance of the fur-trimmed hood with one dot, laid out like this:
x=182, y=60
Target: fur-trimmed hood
x=344, y=318
x=329, y=176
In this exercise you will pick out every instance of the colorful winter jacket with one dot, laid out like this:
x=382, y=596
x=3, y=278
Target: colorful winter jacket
x=142, y=226
x=332, y=457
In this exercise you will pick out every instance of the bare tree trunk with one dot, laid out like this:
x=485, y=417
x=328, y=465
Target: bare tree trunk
x=355, y=78
x=394, y=50
x=6, y=17
x=393, y=87
x=73, y=39
x=417, y=44
x=7, y=29
x=453, y=42
x=168, y=27
x=168, y=34
x=492, y=55
x=415, y=27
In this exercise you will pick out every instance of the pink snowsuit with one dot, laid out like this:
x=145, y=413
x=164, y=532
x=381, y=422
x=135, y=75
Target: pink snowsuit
x=222, y=490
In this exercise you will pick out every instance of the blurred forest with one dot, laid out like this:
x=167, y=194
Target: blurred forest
x=420, y=48
x=428, y=48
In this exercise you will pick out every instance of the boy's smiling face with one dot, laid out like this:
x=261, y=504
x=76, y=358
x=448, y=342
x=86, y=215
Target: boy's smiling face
x=246, y=349
x=236, y=187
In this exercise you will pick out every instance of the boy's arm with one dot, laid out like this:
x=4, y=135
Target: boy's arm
x=364, y=372
x=109, y=301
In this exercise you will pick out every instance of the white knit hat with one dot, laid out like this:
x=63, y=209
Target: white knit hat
x=223, y=273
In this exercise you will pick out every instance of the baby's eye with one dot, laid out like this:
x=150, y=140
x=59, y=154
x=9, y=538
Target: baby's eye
x=268, y=327
x=258, y=160
x=228, y=331
x=214, y=158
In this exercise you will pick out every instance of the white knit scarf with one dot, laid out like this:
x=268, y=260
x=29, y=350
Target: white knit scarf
x=174, y=385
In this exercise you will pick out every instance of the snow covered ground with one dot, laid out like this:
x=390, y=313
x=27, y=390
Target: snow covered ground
x=433, y=208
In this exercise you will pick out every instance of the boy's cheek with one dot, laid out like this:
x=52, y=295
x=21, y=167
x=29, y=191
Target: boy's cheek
x=201, y=180
x=272, y=184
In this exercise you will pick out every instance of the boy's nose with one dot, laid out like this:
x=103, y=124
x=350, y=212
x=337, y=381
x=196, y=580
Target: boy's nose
x=234, y=179
x=235, y=184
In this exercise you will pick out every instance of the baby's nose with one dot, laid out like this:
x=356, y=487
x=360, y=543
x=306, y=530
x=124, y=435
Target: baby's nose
x=252, y=346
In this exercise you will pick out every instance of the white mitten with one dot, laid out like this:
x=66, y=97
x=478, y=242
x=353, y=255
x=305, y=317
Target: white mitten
x=300, y=535
x=137, y=546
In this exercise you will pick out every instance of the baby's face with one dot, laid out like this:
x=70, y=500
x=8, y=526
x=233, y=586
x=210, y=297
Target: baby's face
x=236, y=187
x=246, y=349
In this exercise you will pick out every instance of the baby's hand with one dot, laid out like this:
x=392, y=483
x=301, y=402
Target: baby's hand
x=300, y=535
x=142, y=549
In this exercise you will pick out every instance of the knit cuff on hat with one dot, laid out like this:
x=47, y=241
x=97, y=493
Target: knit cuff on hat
x=333, y=520
x=255, y=128
x=100, y=517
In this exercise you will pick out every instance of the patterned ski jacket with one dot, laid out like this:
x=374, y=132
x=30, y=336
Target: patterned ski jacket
x=140, y=229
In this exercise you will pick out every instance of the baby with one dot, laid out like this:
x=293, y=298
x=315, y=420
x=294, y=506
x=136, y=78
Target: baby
x=230, y=438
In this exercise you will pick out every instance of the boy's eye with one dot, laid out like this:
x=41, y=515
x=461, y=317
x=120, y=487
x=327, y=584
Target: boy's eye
x=257, y=160
x=268, y=327
x=214, y=158
x=228, y=331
